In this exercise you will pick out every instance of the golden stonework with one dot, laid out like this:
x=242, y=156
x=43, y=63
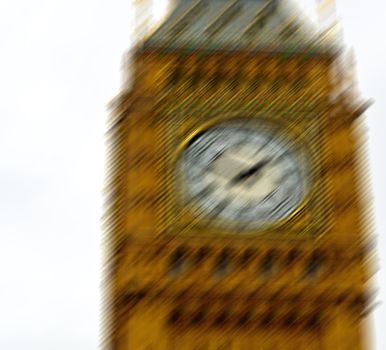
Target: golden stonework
x=211, y=241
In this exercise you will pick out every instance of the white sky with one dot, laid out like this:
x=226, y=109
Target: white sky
x=60, y=66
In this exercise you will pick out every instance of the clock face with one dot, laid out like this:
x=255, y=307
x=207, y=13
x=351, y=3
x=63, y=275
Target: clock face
x=241, y=176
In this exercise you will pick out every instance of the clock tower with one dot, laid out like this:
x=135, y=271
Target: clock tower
x=234, y=215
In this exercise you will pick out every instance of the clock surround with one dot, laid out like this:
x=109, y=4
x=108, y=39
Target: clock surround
x=308, y=221
x=174, y=282
x=242, y=174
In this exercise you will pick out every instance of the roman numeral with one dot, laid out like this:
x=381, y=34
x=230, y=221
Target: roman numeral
x=221, y=206
x=280, y=206
x=265, y=144
x=269, y=196
x=207, y=190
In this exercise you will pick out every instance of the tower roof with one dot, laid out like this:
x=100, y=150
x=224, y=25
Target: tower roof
x=236, y=24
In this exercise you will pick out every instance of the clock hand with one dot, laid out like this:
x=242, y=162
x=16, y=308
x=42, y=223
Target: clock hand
x=216, y=156
x=251, y=171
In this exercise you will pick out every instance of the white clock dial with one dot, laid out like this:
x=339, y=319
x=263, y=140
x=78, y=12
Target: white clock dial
x=242, y=176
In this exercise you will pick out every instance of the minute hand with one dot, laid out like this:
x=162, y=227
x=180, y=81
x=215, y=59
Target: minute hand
x=251, y=171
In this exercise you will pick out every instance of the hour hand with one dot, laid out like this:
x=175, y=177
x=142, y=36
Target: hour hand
x=255, y=169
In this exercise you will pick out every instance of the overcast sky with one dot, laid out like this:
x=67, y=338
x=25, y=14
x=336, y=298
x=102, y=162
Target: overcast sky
x=59, y=67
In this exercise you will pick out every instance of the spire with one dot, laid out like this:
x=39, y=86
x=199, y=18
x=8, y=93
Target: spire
x=234, y=24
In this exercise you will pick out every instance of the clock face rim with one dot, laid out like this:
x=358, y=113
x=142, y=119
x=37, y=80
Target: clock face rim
x=294, y=144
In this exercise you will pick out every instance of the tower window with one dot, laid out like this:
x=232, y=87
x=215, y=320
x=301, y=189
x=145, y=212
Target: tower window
x=314, y=321
x=313, y=266
x=267, y=264
x=278, y=83
x=222, y=264
x=234, y=82
x=267, y=319
x=222, y=318
x=196, y=78
x=176, y=263
x=215, y=80
x=198, y=317
x=175, y=317
x=175, y=77
x=257, y=81
x=293, y=254
x=245, y=319
x=246, y=257
x=201, y=254
x=290, y=319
